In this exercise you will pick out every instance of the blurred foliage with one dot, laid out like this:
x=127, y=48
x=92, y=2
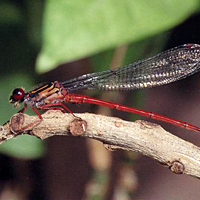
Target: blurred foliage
x=73, y=30
x=76, y=29
x=19, y=49
x=23, y=146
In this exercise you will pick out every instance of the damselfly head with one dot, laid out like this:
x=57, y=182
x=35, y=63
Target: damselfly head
x=17, y=96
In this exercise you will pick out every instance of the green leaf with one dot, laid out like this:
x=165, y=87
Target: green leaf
x=80, y=28
x=23, y=146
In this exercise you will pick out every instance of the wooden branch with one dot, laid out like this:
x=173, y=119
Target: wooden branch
x=140, y=136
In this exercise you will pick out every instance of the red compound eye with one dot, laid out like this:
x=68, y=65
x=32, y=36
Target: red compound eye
x=18, y=94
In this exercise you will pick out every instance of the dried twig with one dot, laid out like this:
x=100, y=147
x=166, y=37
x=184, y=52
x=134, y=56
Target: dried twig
x=140, y=136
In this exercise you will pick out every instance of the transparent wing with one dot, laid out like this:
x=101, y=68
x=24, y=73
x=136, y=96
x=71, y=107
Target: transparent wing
x=171, y=65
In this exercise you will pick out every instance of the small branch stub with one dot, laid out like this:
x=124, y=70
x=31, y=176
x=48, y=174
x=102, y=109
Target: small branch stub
x=20, y=124
x=77, y=127
x=177, y=167
x=16, y=122
x=146, y=124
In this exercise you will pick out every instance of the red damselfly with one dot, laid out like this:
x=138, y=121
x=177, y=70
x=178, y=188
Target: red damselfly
x=169, y=66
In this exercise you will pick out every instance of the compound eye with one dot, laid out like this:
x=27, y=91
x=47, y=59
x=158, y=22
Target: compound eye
x=18, y=94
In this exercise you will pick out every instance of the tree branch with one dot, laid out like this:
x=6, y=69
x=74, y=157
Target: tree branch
x=140, y=136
